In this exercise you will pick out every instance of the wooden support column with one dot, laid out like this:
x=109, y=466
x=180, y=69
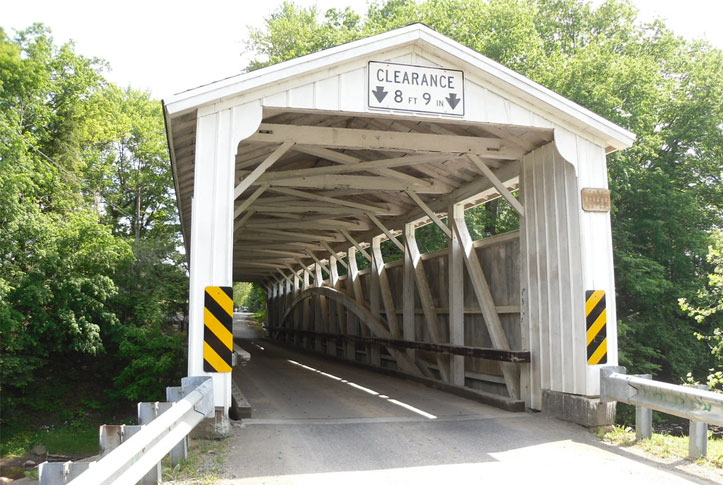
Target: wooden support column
x=383, y=283
x=321, y=315
x=456, y=296
x=353, y=288
x=375, y=306
x=408, y=304
x=340, y=324
x=425, y=297
x=289, y=299
x=297, y=311
x=306, y=310
x=486, y=303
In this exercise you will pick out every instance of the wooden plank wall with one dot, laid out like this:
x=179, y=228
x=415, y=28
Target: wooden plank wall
x=500, y=260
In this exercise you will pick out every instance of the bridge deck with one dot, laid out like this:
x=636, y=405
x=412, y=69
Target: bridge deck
x=309, y=427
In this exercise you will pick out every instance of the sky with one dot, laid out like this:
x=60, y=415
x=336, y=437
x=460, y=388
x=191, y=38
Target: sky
x=168, y=46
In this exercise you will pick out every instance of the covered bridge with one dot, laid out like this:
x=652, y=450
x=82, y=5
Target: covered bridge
x=283, y=175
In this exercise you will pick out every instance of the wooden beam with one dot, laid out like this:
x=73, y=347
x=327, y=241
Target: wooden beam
x=317, y=261
x=239, y=224
x=345, y=159
x=349, y=138
x=361, y=182
x=270, y=252
x=429, y=213
x=425, y=297
x=349, y=238
x=334, y=253
x=315, y=224
x=455, y=283
x=405, y=161
x=516, y=356
x=263, y=166
x=386, y=231
x=487, y=172
x=331, y=200
x=309, y=209
x=321, y=306
x=296, y=235
x=335, y=283
x=485, y=301
x=384, y=289
x=287, y=278
x=251, y=199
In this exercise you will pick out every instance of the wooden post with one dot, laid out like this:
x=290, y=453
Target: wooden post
x=340, y=324
x=408, y=306
x=425, y=297
x=321, y=318
x=289, y=299
x=375, y=306
x=384, y=289
x=306, y=310
x=297, y=311
x=355, y=288
x=456, y=296
x=486, y=303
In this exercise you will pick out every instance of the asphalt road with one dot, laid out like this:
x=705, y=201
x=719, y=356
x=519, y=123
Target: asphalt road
x=317, y=420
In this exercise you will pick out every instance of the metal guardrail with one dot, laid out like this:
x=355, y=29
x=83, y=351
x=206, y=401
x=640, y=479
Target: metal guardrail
x=141, y=452
x=700, y=406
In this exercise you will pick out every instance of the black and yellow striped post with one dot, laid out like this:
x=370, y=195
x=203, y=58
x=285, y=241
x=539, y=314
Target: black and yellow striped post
x=596, y=319
x=218, y=329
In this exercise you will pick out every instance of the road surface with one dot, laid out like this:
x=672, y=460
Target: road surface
x=317, y=420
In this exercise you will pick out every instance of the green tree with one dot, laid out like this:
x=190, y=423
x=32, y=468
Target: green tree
x=707, y=309
x=57, y=260
x=89, y=237
x=129, y=176
x=667, y=194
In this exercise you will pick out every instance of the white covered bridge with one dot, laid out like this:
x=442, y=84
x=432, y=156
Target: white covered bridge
x=283, y=175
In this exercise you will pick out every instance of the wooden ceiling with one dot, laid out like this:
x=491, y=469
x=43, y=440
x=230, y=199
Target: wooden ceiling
x=308, y=183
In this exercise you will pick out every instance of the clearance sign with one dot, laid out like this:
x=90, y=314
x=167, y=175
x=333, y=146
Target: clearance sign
x=404, y=87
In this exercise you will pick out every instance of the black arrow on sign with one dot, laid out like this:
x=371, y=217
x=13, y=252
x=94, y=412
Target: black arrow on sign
x=453, y=100
x=380, y=94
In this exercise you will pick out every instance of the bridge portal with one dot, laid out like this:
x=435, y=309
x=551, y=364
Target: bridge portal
x=291, y=175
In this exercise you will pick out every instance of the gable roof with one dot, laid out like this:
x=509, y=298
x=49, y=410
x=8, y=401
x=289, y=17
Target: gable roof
x=556, y=107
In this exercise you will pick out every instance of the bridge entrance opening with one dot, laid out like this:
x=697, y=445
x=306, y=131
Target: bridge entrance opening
x=312, y=178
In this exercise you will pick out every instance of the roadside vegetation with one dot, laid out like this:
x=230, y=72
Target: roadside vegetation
x=206, y=464
x=666, y=446
x=93, y=280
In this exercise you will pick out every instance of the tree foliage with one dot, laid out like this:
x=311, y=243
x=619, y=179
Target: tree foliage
x=89, y=266
x=667, y=191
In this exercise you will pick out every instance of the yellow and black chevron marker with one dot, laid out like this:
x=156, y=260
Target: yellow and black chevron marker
x=596, y=318
x=218, y=329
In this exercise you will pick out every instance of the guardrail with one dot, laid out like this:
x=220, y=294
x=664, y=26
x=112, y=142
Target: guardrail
x=138, y=450
x=699, y=405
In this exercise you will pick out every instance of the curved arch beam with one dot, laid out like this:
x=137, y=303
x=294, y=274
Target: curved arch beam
x=372, y=322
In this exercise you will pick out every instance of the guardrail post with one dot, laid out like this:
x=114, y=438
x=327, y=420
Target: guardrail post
x=643, y=418
x=180, y=452
x=147, y=412
x=60, y=473
x=698, y=436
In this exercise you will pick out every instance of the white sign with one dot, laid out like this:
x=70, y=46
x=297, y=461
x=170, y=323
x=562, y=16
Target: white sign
x=405, y=87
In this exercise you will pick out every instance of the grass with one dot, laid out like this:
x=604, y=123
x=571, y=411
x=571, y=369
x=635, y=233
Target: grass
x=665, y=445
x=76, y=439
x=206, y=464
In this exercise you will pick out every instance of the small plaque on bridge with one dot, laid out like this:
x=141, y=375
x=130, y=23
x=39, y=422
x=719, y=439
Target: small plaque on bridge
x=596, y=200
x=405, y=87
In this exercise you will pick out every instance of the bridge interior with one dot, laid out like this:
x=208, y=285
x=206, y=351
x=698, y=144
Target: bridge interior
x=313, y=190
